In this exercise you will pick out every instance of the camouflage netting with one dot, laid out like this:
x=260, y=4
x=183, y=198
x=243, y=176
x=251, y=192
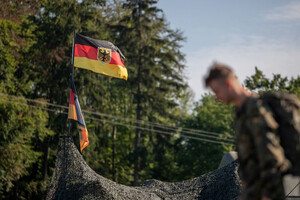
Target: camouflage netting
x=74, y=179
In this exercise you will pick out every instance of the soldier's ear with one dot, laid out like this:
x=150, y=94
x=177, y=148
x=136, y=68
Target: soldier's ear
x=228, y=83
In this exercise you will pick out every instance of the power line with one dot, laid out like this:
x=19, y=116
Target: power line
x=228, y=138
x=127, y=119
x=176, y=129
x=127, y=125
x=122, y=118
x=161, y=126
x=159, y=131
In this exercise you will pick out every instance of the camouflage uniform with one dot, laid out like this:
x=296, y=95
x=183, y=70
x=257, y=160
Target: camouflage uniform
x=261, y=157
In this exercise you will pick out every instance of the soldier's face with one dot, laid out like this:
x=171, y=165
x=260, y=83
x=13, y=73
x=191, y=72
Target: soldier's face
x=221, y=90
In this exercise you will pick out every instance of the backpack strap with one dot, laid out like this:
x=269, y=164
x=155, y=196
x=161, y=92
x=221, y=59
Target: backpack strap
x=284, y=97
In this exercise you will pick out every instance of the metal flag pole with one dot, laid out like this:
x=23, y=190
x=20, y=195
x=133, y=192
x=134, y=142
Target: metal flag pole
x=73, y=47
x=71, y=75
x=67, y=137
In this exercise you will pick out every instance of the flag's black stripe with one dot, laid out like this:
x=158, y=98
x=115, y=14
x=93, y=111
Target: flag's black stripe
x=84, y=40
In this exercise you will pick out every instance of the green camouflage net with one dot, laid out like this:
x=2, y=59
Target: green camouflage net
x=74, y=179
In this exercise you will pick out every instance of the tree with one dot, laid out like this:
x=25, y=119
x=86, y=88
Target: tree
x=23, y=126
x=51, y=57
x=155, y=68
x=259, y=82
x=198, y=158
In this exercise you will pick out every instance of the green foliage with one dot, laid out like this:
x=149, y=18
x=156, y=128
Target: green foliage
x=35, y=54
x=259, y=82
x=155, y=66
x=36, y=50
x=7, y=52
x=22, y=128
x=22, y=131
x=198, y=158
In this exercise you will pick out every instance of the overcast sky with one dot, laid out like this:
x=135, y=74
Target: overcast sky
x=240, y=33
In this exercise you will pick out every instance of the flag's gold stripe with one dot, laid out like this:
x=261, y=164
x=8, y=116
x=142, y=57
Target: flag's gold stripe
x=72, y=112
x=116, y=71
x=83, y=137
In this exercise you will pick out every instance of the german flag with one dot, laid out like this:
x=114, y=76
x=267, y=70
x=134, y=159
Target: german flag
x=76, y=114
x=99, y=56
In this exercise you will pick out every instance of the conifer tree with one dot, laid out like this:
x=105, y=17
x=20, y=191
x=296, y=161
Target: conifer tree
x=23, y=125
x=155, y=65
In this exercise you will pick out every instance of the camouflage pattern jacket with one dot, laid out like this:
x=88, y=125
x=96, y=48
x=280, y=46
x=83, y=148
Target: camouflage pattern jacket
x=261, y=157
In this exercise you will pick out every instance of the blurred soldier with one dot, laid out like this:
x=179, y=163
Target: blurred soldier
x=260, y=155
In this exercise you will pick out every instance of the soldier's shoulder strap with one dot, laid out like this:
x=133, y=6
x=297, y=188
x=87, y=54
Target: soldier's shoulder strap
x=281, y=96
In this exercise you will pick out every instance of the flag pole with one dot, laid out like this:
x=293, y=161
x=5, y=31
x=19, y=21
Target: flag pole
x=73, y=47
x=65, y=164
x=71, y=75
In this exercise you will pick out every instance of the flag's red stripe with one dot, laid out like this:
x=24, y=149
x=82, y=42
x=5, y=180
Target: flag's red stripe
x=91, y=53
x=116, y=59
x=85, y=51
x=71, y=100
